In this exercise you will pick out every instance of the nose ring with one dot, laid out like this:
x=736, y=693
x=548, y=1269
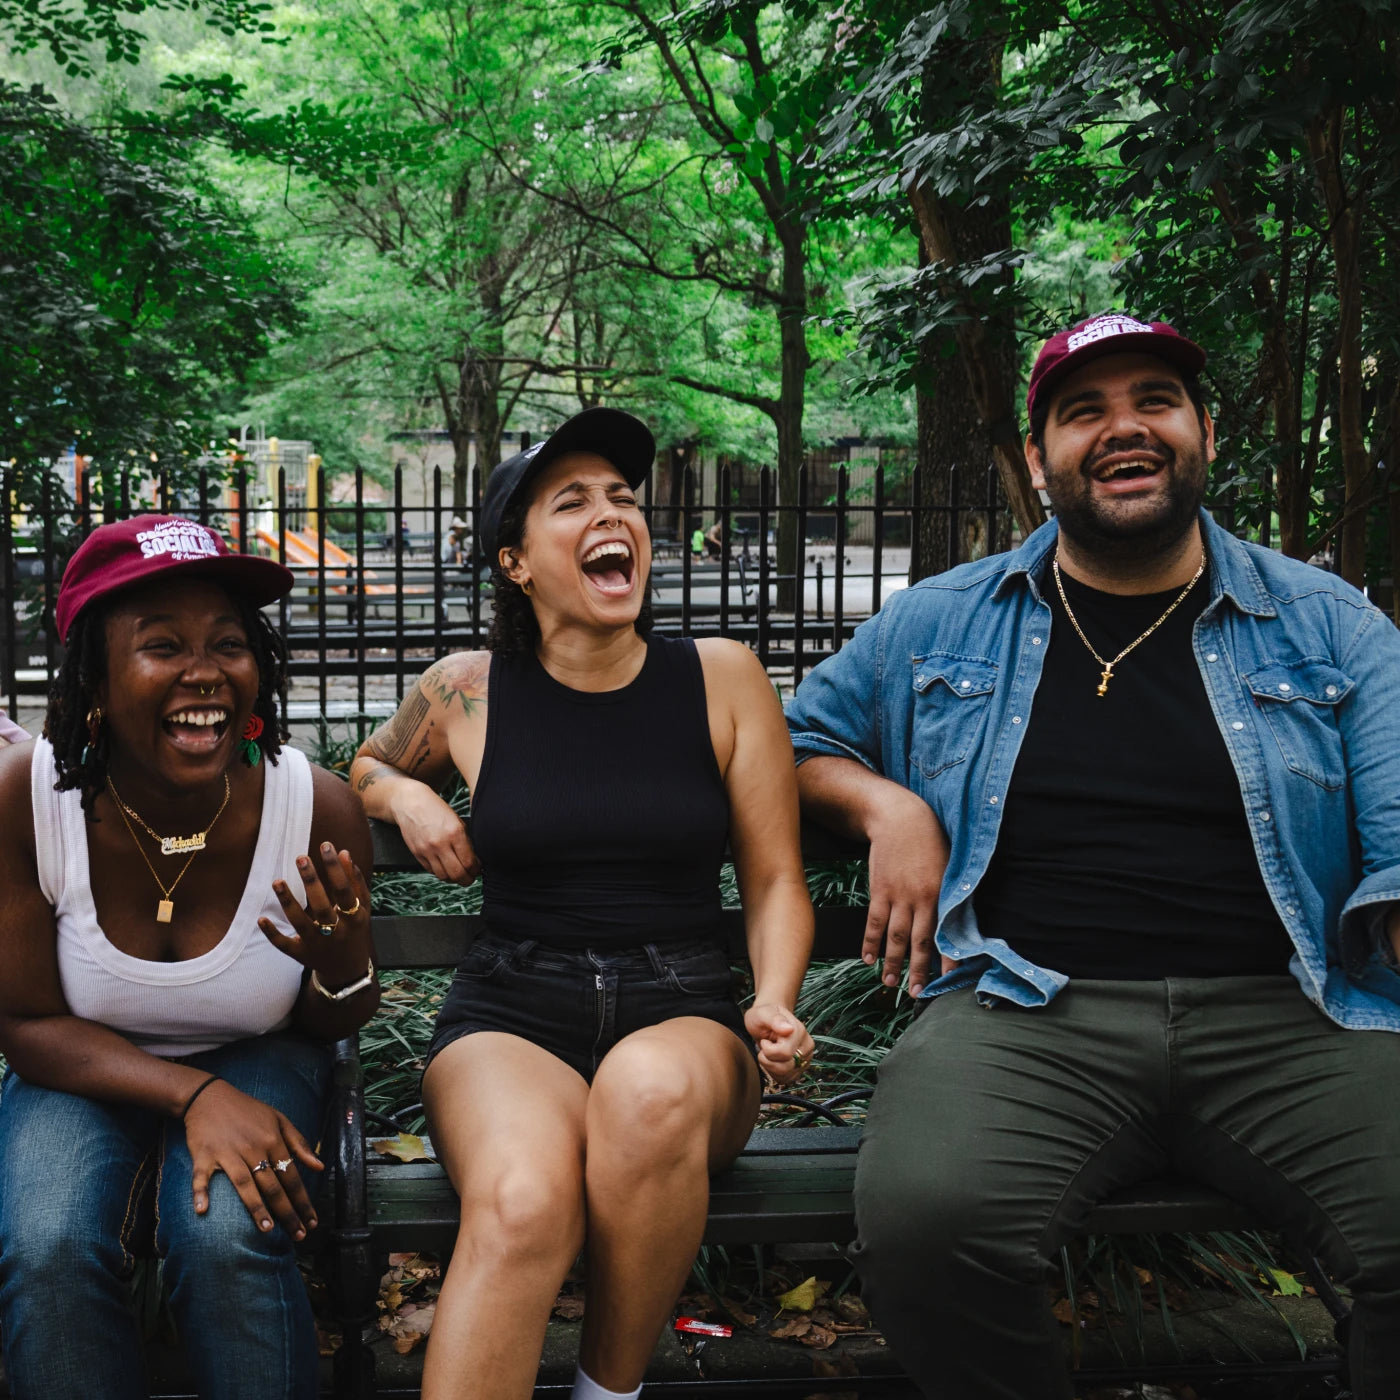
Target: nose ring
x=206, y=692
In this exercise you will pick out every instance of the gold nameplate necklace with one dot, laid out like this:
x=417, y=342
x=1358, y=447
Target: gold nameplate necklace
x=169, y=846
x=1109, y=665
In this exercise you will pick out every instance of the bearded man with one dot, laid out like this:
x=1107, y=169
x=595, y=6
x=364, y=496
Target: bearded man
x=1136, y=785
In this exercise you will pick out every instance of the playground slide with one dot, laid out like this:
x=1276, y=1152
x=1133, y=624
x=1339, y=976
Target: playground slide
x=303, y=548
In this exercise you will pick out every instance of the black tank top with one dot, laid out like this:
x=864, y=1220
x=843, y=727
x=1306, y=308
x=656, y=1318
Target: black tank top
x=600, y=818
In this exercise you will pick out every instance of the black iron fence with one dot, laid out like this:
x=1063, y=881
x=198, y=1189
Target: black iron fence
x=384, y=586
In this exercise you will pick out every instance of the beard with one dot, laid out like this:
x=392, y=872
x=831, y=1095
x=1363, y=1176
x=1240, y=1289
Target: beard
x=1117, y=530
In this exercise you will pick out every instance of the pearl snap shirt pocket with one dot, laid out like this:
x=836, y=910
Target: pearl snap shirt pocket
x=1299, y=701
x=951, y=699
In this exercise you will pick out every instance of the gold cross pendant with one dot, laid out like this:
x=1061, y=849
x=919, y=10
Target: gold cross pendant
x=1104, y=679
x=165, y=911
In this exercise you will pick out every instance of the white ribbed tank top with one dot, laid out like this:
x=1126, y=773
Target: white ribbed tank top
x=241, y=987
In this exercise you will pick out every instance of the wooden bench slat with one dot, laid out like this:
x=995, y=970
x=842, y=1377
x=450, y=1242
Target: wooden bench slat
x=782, y=1199
x=390, y=852
x=1166, y=1205
x=440, y=940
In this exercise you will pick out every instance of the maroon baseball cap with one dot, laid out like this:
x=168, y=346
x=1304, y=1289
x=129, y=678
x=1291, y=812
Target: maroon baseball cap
x=1111, y=334
x=128, y=552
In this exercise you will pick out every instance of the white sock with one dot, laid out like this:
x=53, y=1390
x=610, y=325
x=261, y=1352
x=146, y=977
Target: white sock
x=585, y=1388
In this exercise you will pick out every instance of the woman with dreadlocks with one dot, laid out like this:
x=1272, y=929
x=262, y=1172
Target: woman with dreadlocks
x=175, y=963
x=590, y=1066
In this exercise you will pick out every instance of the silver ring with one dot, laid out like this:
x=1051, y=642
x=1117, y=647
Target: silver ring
x=282, y=1164
x=263, y=1166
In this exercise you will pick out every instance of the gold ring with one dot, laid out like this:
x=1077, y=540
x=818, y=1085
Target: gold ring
x=353, y=909
x=326, y=929
x=800, y=1060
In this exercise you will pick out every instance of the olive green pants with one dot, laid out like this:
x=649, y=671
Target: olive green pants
x=993, y=1131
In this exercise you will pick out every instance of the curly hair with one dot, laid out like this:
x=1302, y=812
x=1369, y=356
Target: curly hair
x=74, y=692
x=514, y=629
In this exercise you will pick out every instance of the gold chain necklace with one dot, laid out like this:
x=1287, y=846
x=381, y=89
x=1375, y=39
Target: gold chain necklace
x=1109, y=665
x=165, y=910
x=173, y=845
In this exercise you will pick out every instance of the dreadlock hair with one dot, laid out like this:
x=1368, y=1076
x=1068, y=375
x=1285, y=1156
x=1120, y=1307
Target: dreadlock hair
x=74, y=692
x=514, y=630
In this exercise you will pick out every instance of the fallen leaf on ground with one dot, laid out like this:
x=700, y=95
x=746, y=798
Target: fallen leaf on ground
x=804, y=1297
x=1285, y=1283
x=732, y=1309
x=793, y=1327
x=850, y=1309
x=818, y=1338
x=407, y=1147
x=410, y=1327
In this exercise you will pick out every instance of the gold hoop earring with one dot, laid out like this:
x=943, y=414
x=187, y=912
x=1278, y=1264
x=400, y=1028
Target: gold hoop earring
x=94, y=728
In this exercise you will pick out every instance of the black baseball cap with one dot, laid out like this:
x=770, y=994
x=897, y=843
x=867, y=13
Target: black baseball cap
x=618, y=437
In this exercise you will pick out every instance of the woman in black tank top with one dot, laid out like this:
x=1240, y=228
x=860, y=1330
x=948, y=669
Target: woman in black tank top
x=590, y=1067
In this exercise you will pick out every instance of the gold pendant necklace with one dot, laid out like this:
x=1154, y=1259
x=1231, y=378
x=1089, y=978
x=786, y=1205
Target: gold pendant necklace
x=1109, y=665
x=165, y=909
x=173, y=845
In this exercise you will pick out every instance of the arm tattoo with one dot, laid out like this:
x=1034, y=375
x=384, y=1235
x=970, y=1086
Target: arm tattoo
x=464, y=676
x=422, y=753
x=380, y=770
x=392, y=742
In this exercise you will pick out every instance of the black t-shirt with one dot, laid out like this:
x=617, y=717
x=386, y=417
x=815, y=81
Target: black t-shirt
x=1124, y=851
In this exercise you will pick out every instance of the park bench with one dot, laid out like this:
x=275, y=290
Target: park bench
x=791, y=1185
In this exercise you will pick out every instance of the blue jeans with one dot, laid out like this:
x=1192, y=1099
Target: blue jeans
x=73, y=1176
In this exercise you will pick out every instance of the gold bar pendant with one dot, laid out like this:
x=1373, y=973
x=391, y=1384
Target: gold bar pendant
x=165, y=911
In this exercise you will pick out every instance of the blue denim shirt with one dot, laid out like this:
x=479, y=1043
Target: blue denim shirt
x=1303, y=675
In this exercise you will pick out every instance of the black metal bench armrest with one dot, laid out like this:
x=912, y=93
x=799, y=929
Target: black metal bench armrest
x=353, y=1280
x=345, y=1136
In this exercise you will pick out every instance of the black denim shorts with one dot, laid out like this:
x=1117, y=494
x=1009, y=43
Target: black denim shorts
x=578, y=1003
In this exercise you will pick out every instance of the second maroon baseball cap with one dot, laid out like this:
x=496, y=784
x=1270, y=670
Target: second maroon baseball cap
x=1111, y=334
x=128, y=552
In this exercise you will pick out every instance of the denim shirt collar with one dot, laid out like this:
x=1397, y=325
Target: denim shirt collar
x=1233, y=574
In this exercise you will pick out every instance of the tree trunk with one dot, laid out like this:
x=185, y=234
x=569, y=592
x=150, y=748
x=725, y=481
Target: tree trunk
x=792, y=396
x=1388, y=415
x=472, y=414
x=1293, y=493
x=952, y=234
x=954, y=457
x=1325, y=139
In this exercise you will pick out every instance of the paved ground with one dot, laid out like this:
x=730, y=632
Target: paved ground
x=1236, y=1331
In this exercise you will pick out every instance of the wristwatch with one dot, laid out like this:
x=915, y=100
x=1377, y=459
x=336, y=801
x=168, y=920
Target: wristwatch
x=366, y=981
